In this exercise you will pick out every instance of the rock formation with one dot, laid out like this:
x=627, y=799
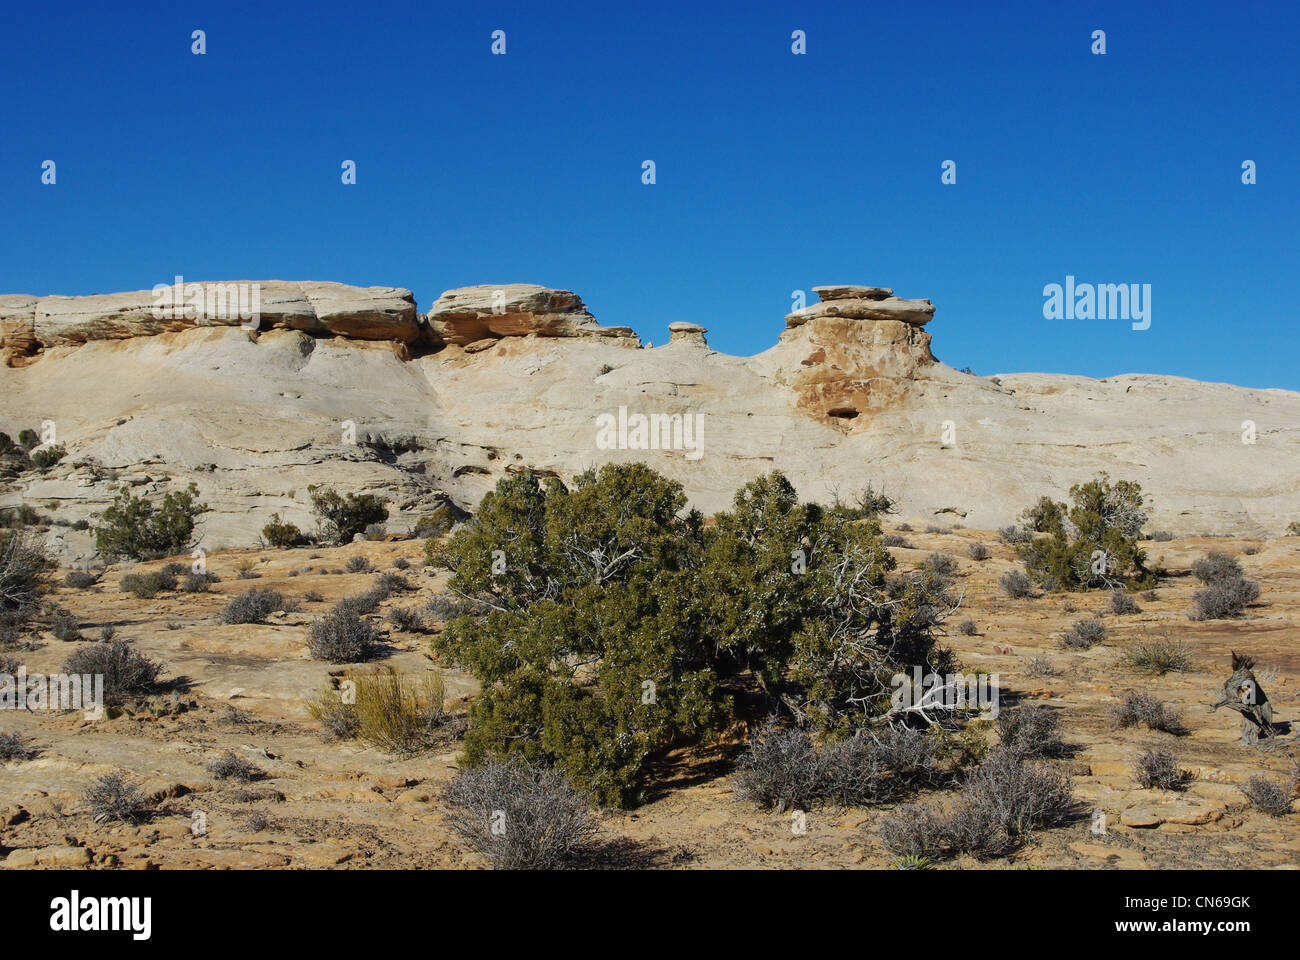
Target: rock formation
x=364, y=313
x=470, y=315
x=493, y=383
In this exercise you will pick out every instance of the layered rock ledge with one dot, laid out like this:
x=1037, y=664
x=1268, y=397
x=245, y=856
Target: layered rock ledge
x=29, y=323
x=863, y=303
x=469, y=315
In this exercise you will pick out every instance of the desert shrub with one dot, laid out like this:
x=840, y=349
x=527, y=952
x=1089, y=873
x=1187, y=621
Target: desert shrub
x=401, y=714
x=230, y=766
x=341, y=518
x=1293, y=528
x=1104, y=521
x=1083, y=635
x=1158, y=768
x=1003, y=801
x=314, y=596
x=338, y=719
x=1046, y=516
x=277, y=533
x=127, y=672
x=935, y=528
x=978, y=551
x=904, y=528
x=1214, y=567
x=448, y=606
x=940, y=565
x=915, y=831
x=361, y=604
x=391, y=583
x=1142, y=708
x=873, y=503
x=134, y=527
x=1224, y=599
x=22, y=515
x=967, y=628
x=23, y=564
x=1031, y=732
x=47, y=457
x=342, y=636
x=1041, y=667
x=358, y=564
x=1159, y=655
x=436, y=523
x=406, y=619
x=1014, y=535
x=66, y=627
x=779, y=769
x=1161, y=536
x=1015, y=583
x=1268, y=796
x=894, y=540
x=613, y=573
x=783, y=769
x=1122, y=603
x=15, y=746
x=521, y=816
x=80, y=579
x=253, y=606
x=28, y=439
x=113, y=797
x=146, y=586
x=196, y=582
x=374, y=531
x=401, y=563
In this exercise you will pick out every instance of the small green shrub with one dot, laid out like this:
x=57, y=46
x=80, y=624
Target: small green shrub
x=134, y=527
x=48, y=456
x=1159, y=655
x=341, y=518
x=146, y=586
x=438, y=522
x=280, y=534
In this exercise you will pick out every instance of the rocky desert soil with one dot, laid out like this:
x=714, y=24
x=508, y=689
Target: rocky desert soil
x=345, y=806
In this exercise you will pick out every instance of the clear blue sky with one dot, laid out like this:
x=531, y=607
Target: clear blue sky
x=775, y=172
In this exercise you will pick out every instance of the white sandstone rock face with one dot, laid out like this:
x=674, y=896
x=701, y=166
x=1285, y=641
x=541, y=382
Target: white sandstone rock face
x=367, y=313
x=836, y=403
x=469, y=314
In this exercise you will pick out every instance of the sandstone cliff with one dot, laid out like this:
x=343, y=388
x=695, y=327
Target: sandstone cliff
x=488, y=383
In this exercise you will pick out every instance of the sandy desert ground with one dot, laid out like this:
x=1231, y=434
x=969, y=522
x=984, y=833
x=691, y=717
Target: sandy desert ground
x=341, y=805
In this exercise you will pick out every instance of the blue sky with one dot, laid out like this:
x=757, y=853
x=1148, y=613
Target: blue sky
x=775, y=172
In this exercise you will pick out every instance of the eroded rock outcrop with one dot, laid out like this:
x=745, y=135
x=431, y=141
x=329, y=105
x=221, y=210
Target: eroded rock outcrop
x=468, y=315
x=856, y=352
x=363, y=313
x=863, y=303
